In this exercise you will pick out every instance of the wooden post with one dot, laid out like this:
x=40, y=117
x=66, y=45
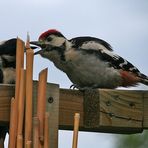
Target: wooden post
x=53, y=109
x=52, y=106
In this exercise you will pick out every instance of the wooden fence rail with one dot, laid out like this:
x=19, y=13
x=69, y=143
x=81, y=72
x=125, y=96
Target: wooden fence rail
x=104, y=110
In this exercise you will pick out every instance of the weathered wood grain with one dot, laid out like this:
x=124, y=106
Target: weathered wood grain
x=6, y=93
x=120, y=111
x=52, y=106
x=145, y=110
x=121, y=108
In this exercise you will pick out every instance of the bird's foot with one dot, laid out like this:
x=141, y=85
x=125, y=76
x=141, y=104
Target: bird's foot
x=75, y=86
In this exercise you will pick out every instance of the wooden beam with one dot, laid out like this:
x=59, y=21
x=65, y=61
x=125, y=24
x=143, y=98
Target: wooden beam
x=120, y=111
x=145, y=110
x=114, y=111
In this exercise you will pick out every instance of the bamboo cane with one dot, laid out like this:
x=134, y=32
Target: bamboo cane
x=29, y=94
x=41, y=101
x=19, y=141
x=21, y=105
x=35, y=132
x=19, y=65
x=28, y=41
x=28, y=144
x=46, y=131
x=12, y=138
x=76, y=128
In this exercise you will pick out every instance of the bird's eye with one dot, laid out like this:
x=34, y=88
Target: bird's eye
x=49, y=39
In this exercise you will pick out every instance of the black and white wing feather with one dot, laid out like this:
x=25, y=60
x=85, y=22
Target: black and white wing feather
x=103, y=50
x=8, y=47
x=118, y=62
x=90, y=43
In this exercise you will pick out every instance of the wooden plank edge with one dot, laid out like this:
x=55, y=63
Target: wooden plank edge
x=101, y=129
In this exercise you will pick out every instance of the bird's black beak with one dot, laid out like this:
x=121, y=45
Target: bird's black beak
x=37, y=43
x=33, y=47
x=42, y=45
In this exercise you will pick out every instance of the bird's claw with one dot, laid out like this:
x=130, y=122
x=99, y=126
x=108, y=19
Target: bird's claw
x=74, y=86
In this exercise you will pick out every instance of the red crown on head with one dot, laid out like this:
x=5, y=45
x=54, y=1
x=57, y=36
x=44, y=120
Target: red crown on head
x=47, y=33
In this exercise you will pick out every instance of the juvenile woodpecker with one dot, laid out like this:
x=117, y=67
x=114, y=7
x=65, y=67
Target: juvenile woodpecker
x=7, y=68
x=7, y=61
x=89, y=62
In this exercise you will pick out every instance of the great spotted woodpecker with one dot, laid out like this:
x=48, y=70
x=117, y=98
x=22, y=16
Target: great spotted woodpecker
x=7, y=61
x=89, y=62
x=7, y=68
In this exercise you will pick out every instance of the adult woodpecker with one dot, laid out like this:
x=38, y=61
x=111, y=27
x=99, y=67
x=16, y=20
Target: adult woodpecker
x=89, y=62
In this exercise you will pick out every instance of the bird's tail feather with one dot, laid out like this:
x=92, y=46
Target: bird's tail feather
x=144, y=79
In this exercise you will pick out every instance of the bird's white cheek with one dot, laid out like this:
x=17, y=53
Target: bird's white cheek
x=57, y=41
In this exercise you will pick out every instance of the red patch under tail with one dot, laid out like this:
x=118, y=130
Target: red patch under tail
x=129, y=79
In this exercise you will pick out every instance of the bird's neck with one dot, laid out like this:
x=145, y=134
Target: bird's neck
x=68, y=45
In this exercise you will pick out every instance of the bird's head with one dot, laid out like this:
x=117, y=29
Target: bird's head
x=50, y=39
x=53, y=45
